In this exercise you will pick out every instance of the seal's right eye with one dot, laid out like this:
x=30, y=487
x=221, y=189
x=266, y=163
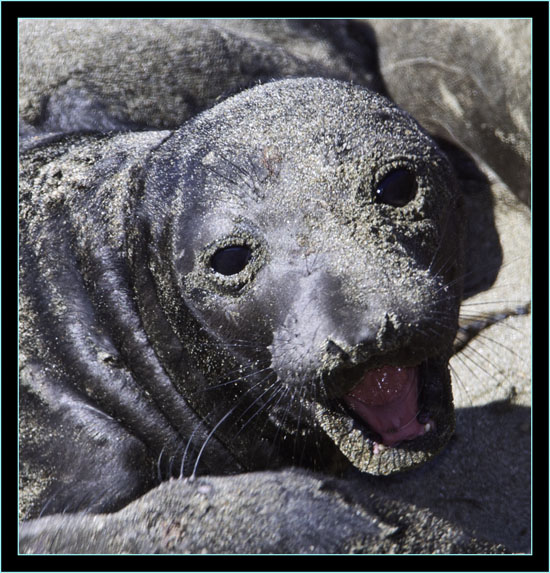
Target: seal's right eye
x=397, y=188
x=230, y=260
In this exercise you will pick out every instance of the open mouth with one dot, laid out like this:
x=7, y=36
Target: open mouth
x=386, y=400
x=393, y=418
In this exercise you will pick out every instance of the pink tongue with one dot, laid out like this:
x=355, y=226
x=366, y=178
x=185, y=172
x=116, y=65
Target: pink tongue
x=387, y=400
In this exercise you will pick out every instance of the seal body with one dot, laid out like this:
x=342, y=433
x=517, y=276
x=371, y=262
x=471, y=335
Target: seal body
x=277, y=282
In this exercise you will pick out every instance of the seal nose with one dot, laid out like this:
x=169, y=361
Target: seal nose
x=380, y=337
x=337, y=351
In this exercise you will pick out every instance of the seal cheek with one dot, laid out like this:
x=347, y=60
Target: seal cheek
x=386, y=399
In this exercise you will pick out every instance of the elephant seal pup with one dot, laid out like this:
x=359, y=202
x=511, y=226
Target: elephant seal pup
x=277, y=282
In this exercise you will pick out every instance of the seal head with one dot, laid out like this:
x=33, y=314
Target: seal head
x=309, y=229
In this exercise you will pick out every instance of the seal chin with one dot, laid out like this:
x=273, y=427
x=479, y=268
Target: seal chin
x=393, y=418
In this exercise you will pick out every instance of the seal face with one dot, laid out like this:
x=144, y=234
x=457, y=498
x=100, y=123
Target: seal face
x=276, y=282
x=323, y=253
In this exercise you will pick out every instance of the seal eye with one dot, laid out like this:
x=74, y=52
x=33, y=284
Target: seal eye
x=397, y=188
x=230, y=260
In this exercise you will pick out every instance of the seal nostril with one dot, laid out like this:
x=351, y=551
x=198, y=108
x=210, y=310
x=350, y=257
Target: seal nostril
x=335, y=350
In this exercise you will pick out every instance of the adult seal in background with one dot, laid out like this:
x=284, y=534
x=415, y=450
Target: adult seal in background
x=229, y=296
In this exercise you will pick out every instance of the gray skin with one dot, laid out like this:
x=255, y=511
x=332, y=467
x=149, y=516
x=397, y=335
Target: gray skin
x=140, y=362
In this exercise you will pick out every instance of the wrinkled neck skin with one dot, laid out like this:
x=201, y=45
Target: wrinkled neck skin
x=341, y=291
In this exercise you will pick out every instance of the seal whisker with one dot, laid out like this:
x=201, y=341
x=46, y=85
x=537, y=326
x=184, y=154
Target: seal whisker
x=443, y=234
x=188, y=445
x=319, y=395
x=282, y=392
x=464, y=388
x=244, y=344
x=223, y=176
x=211, y=433
x=264, y=404
x=444, y=265
x=299, y=395
x=289, y=392
x=489, y=383
x=240, y=378
x=224, y=418
x=471, y=351
x=467, y=361
x=243, y=175
x=479, y=322
x=159, y=474
x=298, y=424
x=523, y=307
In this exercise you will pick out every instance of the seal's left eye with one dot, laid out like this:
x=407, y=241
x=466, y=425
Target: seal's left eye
x=230, y=260
x=397, y=188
